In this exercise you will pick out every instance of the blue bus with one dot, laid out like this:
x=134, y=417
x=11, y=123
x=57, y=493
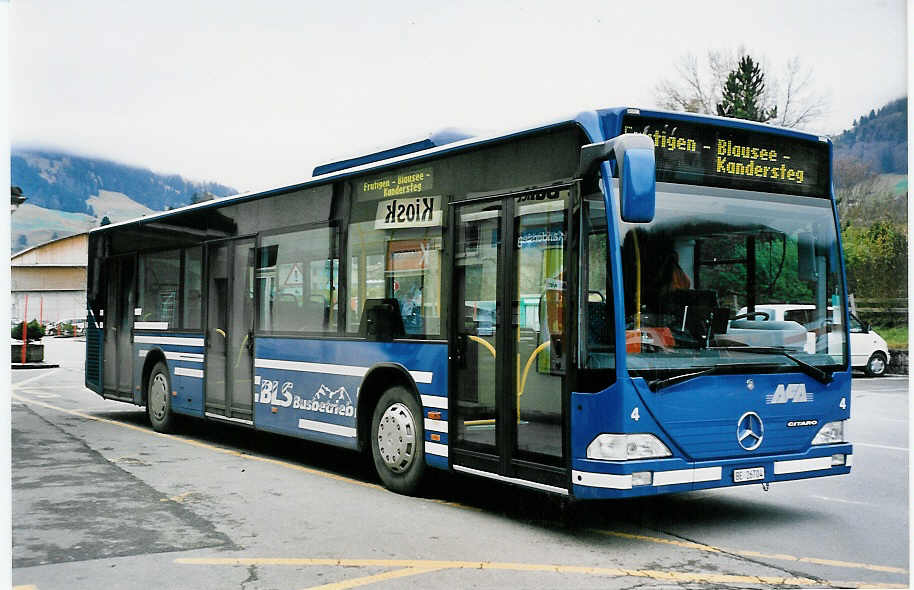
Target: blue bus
x=555, y=307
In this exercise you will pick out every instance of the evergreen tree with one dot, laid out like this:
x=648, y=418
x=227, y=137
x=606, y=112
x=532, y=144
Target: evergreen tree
x=743, y=93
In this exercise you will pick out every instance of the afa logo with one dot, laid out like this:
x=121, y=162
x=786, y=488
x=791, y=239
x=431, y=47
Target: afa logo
x=794, y=392
x=328, y=401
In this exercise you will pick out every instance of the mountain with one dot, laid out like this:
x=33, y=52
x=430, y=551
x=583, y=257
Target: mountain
x=878, y=139
x=69, y=194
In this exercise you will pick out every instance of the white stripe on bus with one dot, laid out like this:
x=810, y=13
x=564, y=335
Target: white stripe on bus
x=434, y=401
x=601, y=480
x=189, y=372
x=436, y=425
x=329, y=369
x=436, y=449
x=801, y=465
x=327, y=428
x=174, y=340
x=190, y=357
x=150, y=325
x=668, y=478
x=518, y=481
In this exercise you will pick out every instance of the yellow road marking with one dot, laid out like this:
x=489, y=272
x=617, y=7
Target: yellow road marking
x=686, y=544
x=668, y=576
x=180, y=498
x=781, y=556
x=364, y=581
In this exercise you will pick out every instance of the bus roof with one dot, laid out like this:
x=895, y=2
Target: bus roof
x=598, y=125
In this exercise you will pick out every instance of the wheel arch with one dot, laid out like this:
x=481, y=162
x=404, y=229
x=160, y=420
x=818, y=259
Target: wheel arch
x=377, y=380
x=154, y=356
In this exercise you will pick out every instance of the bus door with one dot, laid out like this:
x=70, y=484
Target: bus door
x=118, y=321
x=230, y=329
x=509, y=348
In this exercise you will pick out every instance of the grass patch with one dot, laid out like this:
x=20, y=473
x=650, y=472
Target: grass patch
x=895, y=337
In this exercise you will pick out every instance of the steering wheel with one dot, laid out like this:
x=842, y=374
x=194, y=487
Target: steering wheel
x=752, y=314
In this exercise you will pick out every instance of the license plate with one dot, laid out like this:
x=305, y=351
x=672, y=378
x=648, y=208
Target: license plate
x=751, y=474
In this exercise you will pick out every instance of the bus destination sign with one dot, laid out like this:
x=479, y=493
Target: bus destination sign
x=713, y=155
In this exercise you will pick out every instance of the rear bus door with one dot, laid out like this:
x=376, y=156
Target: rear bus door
x=230, y=329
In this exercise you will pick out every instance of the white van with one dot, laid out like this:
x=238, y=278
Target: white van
x=868, y=349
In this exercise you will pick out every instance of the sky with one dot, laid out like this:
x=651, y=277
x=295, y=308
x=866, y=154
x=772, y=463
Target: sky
x=255, y=94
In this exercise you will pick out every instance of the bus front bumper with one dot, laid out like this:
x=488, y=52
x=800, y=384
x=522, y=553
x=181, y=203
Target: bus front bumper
x=593, y=479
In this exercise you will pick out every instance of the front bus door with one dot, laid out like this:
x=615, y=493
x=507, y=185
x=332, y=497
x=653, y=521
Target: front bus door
x=510, y=349
x=230, y=329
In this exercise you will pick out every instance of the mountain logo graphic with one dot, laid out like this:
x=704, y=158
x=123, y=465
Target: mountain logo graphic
x=334, y=396
x=330, y=401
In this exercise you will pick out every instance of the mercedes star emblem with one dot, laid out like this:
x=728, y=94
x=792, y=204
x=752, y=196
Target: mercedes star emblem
x=750, y=431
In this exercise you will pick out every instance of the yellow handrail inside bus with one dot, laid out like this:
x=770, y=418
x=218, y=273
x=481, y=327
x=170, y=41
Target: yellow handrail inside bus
x=522, y=380
x=486, y=344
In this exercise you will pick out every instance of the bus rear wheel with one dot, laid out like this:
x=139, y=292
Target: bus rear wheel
x=158, y=399
x=397, y=441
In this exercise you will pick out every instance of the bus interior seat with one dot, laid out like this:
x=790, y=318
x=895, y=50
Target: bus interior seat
x=597, y=330
x=381, y=320
x=692, y=310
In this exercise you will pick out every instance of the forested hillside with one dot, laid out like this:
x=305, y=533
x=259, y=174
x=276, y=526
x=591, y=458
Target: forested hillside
x=65, y=182
x=878, y=139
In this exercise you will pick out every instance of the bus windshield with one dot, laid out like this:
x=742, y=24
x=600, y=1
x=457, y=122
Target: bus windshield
x=707, y=283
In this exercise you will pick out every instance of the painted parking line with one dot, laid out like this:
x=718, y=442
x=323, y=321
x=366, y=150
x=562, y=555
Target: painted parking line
x=324, y=474
x=433, y=565
x=366, y=580
x=744, y=553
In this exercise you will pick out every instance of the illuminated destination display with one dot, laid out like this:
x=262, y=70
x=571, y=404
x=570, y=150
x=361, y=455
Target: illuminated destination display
x=698, y=153
x=401, y=184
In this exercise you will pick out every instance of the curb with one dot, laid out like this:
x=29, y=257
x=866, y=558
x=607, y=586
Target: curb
x=20, y=366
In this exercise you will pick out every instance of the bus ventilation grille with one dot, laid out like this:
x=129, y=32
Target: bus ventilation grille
x=94, y=342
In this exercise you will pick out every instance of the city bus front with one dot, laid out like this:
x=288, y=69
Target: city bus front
x=685, y=381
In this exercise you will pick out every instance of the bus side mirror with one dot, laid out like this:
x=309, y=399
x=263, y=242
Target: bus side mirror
x=634, y=156
x=806, y=256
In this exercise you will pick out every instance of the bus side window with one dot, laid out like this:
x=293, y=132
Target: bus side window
x=297, y=277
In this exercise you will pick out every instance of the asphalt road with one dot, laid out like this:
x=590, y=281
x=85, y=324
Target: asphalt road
x=101, y=501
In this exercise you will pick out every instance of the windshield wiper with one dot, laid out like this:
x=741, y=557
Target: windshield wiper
x=811, y=370
x=658, y=384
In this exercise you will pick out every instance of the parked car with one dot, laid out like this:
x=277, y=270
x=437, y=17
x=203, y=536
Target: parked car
x=869, y=351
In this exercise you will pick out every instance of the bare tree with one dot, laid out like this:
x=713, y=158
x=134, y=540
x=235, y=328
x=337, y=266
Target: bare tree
x=697, y=87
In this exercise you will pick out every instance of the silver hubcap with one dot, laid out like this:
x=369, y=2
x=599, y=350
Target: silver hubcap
x=158, y=396
x=877, y=365
x=397, y=438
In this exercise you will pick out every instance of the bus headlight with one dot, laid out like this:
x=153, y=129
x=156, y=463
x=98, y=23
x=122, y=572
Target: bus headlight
x=831, y=433
x=622, y=447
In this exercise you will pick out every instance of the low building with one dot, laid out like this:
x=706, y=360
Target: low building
x=53, y=278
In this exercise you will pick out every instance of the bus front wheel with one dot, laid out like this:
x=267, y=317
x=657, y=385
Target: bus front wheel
x=158, y=399
x=397, y=443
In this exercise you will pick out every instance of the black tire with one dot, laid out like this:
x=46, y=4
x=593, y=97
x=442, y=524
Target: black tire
x=398, y=441
x=876, y=366
x=158, y=399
